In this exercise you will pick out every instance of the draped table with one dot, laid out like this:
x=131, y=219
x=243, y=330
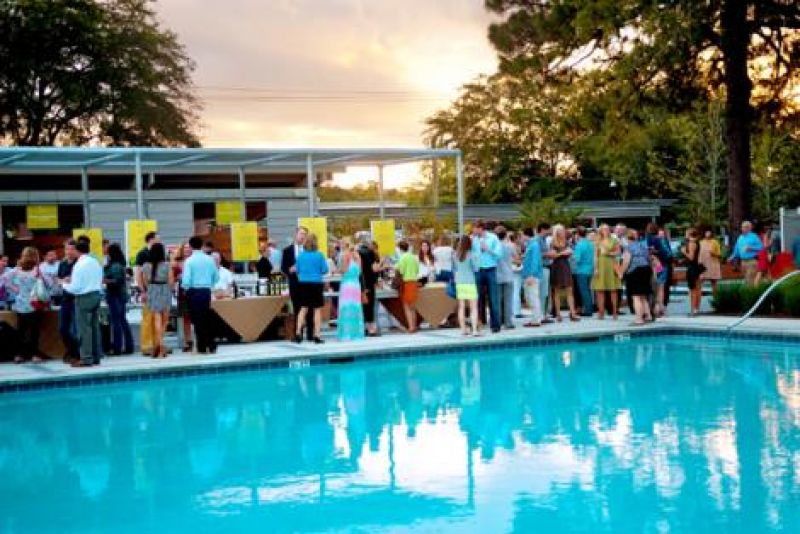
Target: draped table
x=249, y=316
x=433, y=305
x=50, y=343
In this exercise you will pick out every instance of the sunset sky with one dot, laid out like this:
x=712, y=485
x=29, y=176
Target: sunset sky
x=329, y=73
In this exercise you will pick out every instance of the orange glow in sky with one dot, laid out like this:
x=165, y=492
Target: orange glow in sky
x=329, y=73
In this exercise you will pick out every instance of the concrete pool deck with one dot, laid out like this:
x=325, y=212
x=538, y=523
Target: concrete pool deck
x=27, y=374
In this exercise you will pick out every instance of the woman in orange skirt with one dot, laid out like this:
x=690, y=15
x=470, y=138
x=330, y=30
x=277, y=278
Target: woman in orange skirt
x=408, y=267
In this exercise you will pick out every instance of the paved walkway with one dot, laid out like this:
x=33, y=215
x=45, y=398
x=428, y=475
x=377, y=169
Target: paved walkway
x=391, y=342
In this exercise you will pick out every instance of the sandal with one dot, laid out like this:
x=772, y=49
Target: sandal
x=574, y=318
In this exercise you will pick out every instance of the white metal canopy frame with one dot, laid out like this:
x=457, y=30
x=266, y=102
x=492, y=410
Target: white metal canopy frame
x=138, y=161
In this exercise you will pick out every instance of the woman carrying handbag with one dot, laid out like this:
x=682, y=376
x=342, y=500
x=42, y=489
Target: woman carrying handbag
x=30, y=301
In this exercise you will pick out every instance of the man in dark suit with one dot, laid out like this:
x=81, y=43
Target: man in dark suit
x=288, y=261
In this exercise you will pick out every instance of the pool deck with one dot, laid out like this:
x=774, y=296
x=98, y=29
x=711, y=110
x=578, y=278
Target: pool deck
x=281, y=352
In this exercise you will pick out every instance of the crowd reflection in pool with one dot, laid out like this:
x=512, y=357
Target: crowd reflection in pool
x=664, y=433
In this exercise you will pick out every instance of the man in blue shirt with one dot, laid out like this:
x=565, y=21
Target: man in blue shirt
x=487, y=248
x=746, y=250
x=543, y=230
x=199, y=277
x=584, y=270
x=532, y=271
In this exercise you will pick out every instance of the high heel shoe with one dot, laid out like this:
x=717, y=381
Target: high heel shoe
x=298, y=338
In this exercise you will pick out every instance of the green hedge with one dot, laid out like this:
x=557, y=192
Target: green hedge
x=738, y=298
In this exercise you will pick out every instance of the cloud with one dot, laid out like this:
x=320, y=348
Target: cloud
x=420, y=50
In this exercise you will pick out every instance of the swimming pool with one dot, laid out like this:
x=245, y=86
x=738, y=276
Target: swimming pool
x=652, y=434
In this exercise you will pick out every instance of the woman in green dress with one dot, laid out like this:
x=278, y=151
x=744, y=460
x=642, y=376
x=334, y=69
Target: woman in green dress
x=606, y=279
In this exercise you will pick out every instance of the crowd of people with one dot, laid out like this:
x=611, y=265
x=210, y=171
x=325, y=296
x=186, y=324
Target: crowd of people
x=491, y=271
x=494, y=272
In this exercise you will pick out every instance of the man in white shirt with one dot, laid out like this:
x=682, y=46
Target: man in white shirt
x=86, y=284
x=49, y=267
x=224, y=286
x=274, y=256
x=49, y=270
x=443, y=260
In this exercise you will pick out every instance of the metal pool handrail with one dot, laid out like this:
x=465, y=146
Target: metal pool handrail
x=752, y=310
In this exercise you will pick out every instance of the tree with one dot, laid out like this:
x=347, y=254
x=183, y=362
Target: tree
x=702, y=135
x=550, y=210
x=776, y=159
x=678, y=50
x=88, y=71
x=510, y=133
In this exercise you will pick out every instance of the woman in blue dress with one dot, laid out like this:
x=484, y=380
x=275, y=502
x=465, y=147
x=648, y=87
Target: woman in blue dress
x=350, y=324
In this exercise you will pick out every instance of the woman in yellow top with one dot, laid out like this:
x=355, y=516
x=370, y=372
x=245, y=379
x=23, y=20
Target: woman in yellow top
x=710, y=258
x=605, y=278
x=408, y=267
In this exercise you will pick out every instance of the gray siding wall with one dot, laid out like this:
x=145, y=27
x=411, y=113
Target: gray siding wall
x=111, y=217
x=174, y=218
x=282, y=218
x=791, y=227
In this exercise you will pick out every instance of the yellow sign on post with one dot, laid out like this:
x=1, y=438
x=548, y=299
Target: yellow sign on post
x=41, y=216
x=228, y=211
x=135, y=230
x=95, y=236
x=244, y=241
x=383, y=234
x=319, y=227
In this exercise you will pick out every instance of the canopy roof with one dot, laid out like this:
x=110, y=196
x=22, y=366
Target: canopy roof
x=81, y=161
x=119, y=160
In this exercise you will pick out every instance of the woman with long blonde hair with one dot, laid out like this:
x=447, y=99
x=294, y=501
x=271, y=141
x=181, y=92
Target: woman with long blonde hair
x=350, y=323
x=605, y=279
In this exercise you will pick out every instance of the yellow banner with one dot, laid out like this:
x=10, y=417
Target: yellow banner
x=41, y=216
x=95, y=236
x=135, y=230
x=319, y=227
x=244, y=241
x=383, y=234
x=228, y=211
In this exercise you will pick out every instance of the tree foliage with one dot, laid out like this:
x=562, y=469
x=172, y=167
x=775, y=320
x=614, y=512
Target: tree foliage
x=549, y=210
x=622, y=91
x=506, y=129
x=90, y=71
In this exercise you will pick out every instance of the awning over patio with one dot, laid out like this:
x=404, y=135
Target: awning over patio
x=138, y=161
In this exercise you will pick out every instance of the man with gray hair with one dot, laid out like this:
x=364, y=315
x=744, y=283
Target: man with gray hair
x=746, y=250
x=225, y=284
x=86, y=284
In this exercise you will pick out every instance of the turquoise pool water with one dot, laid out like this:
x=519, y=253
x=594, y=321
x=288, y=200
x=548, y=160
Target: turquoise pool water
x=660, y=434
